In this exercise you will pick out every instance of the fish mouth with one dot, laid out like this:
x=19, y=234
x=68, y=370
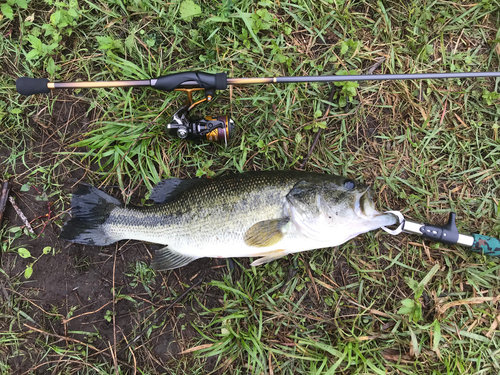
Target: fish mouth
x=365, y=208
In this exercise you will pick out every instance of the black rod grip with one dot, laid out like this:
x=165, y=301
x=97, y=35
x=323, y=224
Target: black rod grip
x=29, y=86
x=206, y=81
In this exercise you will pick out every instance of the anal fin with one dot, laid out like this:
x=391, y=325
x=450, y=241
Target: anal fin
x=168, y=259
x=273, y=255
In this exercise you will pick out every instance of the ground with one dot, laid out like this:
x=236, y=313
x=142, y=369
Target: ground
x=377, y=304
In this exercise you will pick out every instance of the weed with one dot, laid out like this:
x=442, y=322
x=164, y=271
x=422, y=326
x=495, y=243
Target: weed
x=108, y=316
x=8, y=11
x=25, y=253
x=142, y=274
x=82, y=263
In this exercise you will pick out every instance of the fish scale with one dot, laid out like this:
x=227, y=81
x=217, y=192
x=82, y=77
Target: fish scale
x=268, y=214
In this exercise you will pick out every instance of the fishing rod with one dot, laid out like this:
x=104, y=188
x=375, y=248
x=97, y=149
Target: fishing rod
x=447, y=234
x=215, y=128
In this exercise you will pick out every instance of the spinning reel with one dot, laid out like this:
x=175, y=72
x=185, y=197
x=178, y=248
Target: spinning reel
x=216, y=128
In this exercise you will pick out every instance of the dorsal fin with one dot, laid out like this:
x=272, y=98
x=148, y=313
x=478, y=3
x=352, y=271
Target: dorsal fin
x=170, y=189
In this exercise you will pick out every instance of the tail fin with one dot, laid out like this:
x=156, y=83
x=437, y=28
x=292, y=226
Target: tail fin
x=90, y=208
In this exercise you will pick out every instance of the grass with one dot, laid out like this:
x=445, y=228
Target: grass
x=377, y=304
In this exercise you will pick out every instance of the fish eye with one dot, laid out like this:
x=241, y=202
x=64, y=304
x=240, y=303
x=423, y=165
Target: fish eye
x=349, y=184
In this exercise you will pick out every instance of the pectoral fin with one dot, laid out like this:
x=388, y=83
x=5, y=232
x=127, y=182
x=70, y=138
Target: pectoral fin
x=269, y=257
x=167, y=259
x=265, y=233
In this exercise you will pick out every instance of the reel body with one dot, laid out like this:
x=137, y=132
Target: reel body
x=210, y=128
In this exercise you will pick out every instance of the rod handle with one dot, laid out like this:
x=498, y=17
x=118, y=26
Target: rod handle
x=29, y=86
x=486, y=245
x=206, y=81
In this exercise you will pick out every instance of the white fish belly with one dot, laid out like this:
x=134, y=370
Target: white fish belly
x=227, y=244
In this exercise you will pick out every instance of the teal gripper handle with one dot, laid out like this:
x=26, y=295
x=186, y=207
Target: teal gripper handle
x=486, y=245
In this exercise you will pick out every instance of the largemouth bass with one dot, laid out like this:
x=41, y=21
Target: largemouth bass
x=255, y=214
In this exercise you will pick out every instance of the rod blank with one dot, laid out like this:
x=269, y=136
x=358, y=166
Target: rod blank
x=370, y=77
